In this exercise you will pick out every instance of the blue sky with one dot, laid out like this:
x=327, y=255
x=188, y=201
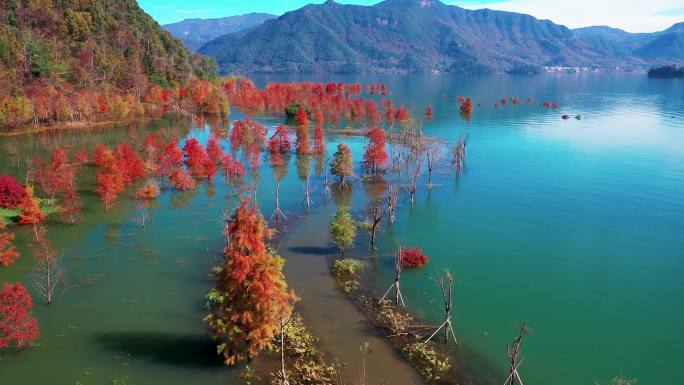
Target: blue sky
x=630, y=15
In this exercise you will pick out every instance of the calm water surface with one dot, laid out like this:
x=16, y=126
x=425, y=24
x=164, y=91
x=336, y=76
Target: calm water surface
x=574, y=226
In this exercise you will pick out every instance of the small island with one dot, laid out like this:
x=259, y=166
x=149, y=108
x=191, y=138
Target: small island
x=666, y=72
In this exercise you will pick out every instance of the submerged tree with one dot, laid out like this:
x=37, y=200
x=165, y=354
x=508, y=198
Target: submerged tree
x=460, y=151
x=18, y=328
x=251, y=294
x=342, y=228
x=392, y=200
x=342, y=165
x=48, y=272
x=375, y=157
x=8, y=254
x=372, y=223
x=514, y=355
x=446, y=285
x=396, y=285
x=30, y=213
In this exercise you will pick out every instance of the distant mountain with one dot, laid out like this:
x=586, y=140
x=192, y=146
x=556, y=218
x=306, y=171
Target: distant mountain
x=668, y=47
x=196, y=32
x=402, y=36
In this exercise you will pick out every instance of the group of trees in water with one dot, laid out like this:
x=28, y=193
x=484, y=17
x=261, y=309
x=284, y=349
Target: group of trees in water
x=251, y=303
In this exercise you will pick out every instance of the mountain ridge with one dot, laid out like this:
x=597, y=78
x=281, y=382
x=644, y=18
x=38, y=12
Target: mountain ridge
x=196, y=32
x=423, y=36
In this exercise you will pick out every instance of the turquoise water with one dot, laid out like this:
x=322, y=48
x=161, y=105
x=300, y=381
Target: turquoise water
x=574, y=226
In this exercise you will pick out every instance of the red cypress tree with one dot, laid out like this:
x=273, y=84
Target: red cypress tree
x=375, y=156
x=401, y=114
x=30, y=213
x=214, y=150
x=12, y=194
x=280, y=141
x=171, y=158
x=319, y=144
x=251, y=294
x=181, y=180
x=466, y=105
x=18, y=328
x=301, y=116
x=303, y=146
x=109, y=178
x=428, y=111
x=8, y=253
x=233, y=167
x=413, y=257
x=130, y=164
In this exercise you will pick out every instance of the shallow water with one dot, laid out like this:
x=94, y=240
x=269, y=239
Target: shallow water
x=573, y=226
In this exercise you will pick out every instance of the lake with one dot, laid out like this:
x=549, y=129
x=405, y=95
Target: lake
x=575, y=226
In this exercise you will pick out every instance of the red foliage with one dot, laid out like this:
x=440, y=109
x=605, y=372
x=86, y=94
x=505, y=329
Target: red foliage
x=70, y=203
x=18, y=328
x=280, y=141
x=428, y=111
x=301, y=116
x=130, y=164
x=401, y=114
x=303, y=147
x=251, y=286
x=547, y=104
x=81, y=157
x=181, y=180
x=249, y=136
x=209, y=169
x=11, y=192
x=109, y=178
x=30, y=213
x=413, y=257
x=149, y=191
x=466, y=105
x=7, y=252
x=214, y=150
x=233, y=167
x=196, y=157
x=171, y=158
x=319, y=144
x=375, y=156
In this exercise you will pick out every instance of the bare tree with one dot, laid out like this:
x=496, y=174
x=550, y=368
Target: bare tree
x=460, y=151
x=392, y=198
x=415, y=174
x=48, y=272
x=141, y=211
x=277, y=213
x=365, y=350
x=433, y=154
x=307, y=192
x=398, y=267
x=285, y=319
x=514, y=355
x=446, y=284
x=327, y=192
x=376, y=218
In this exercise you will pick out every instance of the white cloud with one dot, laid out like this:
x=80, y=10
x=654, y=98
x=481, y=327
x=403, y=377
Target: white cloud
x=630, y=15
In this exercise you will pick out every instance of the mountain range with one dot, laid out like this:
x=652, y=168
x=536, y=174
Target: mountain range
x=194, y=33
x=405, y=36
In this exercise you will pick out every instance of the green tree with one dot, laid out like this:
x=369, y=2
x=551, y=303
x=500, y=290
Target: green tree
x=342, y=228
x=342, y=164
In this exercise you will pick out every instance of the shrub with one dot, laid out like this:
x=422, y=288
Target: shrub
x=413, y=257
x=346, y=271
x=11, y=192
x=432, y=366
